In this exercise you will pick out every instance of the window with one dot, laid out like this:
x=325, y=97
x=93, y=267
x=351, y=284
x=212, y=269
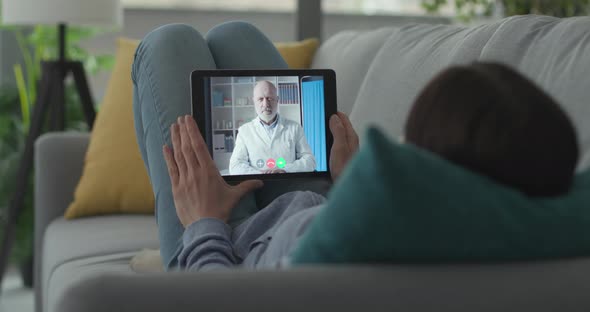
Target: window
x=362, y=7
x=379, y=7
x=230, y=5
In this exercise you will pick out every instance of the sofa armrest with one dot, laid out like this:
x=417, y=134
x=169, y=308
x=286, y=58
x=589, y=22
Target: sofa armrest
x=59, y=160
x=541, y=286
x=307, y=290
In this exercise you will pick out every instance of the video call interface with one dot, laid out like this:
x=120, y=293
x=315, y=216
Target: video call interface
x=267, y=125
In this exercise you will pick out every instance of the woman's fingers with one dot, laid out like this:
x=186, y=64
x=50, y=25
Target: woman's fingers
x=198, y=144
x=339, y=134
x=171, y=164
x=192, y=162
x=351, y=135
x=177, y=149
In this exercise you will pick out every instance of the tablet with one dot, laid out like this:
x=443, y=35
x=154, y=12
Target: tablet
x=266, y=124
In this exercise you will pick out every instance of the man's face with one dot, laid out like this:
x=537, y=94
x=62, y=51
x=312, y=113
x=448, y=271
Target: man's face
x=265, y=100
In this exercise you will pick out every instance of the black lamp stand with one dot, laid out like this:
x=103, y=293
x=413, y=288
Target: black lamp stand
x=50, y=98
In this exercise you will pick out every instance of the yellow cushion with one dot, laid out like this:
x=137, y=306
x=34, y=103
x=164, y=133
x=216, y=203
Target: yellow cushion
x=298, y=54
x=114, y=179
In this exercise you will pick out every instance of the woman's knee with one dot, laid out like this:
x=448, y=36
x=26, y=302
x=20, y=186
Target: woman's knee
x=239, y=44
x=167, y=38
x=168, y=41
x=231, y=29
x=169, y=34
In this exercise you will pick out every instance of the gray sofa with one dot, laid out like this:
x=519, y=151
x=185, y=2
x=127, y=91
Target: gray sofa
x=83, y=265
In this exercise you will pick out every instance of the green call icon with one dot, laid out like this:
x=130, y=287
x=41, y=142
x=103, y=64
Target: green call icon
x=281, y=162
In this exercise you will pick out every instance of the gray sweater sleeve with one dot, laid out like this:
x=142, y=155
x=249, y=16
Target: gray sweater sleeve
x=207, y=246
x=262, y=241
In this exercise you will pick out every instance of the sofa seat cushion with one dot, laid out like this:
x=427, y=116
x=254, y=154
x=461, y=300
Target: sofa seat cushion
x=69, y=275
x=68, y=240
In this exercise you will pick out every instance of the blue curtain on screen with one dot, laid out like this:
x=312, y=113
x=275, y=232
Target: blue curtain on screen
x=314, y=125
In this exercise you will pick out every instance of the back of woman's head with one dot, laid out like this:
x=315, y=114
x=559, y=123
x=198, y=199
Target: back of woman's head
x=492, y=120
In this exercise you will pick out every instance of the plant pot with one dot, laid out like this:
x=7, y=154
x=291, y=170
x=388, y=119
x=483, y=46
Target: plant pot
x=26, y=271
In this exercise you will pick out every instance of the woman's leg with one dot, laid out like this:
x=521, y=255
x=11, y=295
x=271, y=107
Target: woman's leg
x=161, y=93
x=240, y=45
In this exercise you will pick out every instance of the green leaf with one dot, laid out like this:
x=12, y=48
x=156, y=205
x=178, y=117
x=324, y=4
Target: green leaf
x=24, y=96
x=91, y=65
x=433, y=6
x=76, y=34
x=105, y=61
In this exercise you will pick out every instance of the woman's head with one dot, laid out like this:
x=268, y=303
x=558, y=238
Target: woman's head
x=492, y=120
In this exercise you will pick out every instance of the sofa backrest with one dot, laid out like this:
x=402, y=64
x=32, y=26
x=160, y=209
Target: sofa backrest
x=380, y=72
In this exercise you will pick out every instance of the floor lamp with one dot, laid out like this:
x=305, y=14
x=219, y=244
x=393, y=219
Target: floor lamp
x=51, y=91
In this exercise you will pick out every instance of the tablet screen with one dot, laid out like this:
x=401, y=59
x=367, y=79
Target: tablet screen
x=267, y=125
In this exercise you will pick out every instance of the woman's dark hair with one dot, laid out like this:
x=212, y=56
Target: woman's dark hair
x=494, y=121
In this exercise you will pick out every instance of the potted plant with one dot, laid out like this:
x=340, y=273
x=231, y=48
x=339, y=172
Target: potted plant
x=468, y=9
x=15, y=107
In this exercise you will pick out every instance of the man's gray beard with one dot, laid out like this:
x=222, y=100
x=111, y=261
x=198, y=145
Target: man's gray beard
x=267, y=118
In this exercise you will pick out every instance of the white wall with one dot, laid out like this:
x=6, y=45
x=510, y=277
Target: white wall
x=277, y=26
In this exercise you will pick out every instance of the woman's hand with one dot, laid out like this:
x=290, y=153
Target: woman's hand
x=199, y=190
x=346, y=143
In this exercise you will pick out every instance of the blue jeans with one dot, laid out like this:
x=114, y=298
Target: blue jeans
x=161, y=93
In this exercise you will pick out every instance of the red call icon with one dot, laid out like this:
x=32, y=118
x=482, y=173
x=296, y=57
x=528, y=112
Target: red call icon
x=270, y=163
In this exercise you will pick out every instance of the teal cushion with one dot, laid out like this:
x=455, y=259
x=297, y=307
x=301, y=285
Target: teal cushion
x=398, y=203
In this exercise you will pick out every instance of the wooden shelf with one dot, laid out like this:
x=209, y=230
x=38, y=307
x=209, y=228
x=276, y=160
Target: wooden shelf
x=232, y=83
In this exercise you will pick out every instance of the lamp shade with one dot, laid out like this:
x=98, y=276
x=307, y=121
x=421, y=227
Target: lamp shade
x=76, y=12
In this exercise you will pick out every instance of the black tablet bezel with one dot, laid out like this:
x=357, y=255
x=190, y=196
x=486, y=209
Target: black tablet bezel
x=202, y=113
